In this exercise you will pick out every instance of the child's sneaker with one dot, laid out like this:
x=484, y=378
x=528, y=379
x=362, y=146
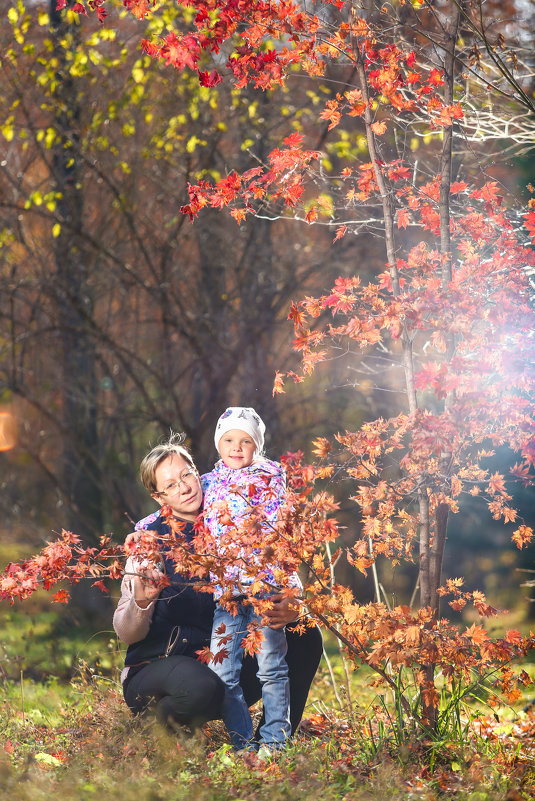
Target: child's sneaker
x=265, y=753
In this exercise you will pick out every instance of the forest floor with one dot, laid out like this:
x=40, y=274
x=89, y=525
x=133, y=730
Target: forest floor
x=65, y=733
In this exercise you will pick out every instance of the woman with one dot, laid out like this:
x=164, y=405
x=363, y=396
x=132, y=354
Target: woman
x=164, y=628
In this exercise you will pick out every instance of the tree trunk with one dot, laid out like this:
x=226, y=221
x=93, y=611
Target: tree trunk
x=78, y=390
x=435, y=544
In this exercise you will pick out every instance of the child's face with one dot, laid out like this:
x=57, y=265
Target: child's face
x=236, y=448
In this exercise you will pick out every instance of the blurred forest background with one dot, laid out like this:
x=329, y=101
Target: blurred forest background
x=120, y=320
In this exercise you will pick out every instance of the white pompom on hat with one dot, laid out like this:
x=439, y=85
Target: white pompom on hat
x=241, y=418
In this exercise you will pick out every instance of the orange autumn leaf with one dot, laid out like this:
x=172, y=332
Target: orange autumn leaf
x=477, y=634
x=252, y=643
x=404, y=218
x=509, y=514
x=340, y=232
x=378, y=128
x=278, y=383
x=61, y=597
x=513, y=636
x=322, y=446
x=522, y=536
x=496, y=484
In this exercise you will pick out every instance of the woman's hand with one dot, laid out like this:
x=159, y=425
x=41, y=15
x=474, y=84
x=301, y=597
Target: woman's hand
x=285, y=610
x=131, y=540
x=146, y=584
x=145, y=574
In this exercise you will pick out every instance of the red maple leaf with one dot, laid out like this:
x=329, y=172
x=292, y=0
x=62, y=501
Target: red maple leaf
x=100, y=585
x=61, y=597
x=489, y=193
x=210, y=78
x=139, y=8
x=399, y=173
x=220, y=655
x=180, y=51
x=449, y=113
x=435, y=78
x=204, y=655
x=430, y=219
x=404, y=218
x=429, y=376
x=340, y=231
x=294, y=140
x=339, y=301
x=292, y=194
x=332, y=113
x=413, y=77
x=513, y=636
x=150, y=48
x=530, y=224
x=239, y=214
x=296, y=315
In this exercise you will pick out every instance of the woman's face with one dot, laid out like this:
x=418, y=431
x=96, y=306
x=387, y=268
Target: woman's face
x=178, y=485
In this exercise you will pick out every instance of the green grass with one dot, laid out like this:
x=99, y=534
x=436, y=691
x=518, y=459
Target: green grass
x=76, y=741
x=100, y=753
x=65, y=733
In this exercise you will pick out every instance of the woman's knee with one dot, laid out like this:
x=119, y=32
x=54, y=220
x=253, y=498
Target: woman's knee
x=210, y=691
x=200, y=694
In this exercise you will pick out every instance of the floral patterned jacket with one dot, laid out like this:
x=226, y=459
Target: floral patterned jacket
x=229, y=489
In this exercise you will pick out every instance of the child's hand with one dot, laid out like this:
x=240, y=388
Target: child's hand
x=285, y=610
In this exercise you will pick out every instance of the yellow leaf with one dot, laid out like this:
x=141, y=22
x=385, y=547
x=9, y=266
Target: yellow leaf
x=47, y=759
x=8, y=132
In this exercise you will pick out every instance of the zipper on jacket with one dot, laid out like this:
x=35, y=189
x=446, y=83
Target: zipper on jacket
x=172, y=641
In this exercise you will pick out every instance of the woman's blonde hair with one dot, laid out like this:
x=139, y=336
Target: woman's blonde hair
x=173, y=445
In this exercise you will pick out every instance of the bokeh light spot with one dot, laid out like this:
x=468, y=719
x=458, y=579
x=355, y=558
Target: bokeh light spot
x=8, y=431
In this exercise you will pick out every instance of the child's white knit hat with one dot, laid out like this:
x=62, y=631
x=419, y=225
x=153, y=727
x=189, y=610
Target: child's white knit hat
x=243, y=419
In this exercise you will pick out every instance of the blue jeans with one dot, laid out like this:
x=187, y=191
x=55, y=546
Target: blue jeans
x=272, y=672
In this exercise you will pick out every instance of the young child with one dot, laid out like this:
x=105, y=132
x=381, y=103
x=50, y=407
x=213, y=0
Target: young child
x=239, y=439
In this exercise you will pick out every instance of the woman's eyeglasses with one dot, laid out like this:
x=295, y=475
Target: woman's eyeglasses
x=174, y=486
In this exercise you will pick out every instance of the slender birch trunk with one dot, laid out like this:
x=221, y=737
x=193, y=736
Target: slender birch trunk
x=432, y=534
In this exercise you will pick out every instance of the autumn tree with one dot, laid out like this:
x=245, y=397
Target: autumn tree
x=447, y=320
x=453, y=309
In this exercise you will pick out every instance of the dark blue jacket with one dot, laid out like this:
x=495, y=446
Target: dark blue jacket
x=182, y=618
